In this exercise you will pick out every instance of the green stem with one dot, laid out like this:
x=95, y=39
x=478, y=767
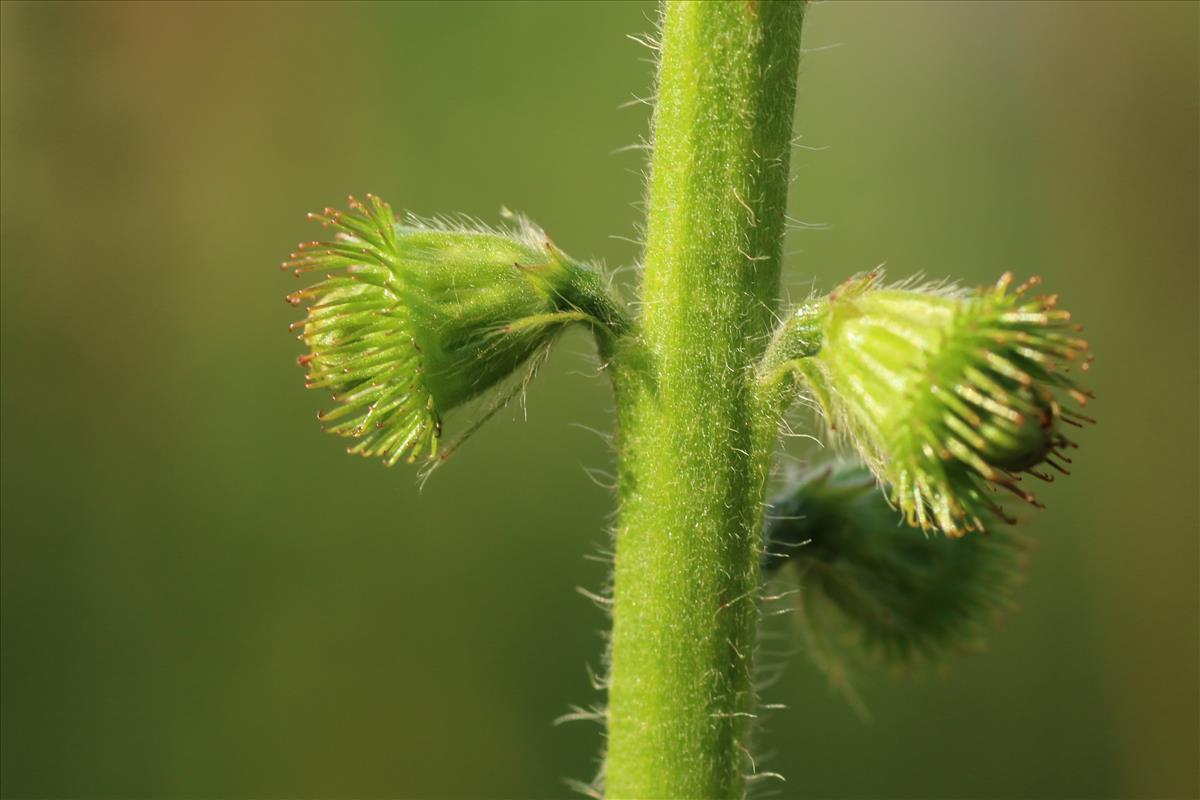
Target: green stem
x=695, y=439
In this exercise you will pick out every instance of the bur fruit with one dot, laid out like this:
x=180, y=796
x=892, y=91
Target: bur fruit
x=949, y=397
x=412, y=319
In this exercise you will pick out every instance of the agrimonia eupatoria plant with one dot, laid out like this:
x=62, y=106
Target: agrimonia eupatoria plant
x=949, y=398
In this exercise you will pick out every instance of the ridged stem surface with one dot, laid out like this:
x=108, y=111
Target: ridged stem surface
x=694, y=442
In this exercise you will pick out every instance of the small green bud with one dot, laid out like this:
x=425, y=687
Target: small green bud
x=947, y=396
x=903, y=596
x=415, y=318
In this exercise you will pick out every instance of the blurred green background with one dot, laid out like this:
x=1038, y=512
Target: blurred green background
x=204, y=597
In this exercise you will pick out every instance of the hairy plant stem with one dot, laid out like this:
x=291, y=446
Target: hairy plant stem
x=695, y=439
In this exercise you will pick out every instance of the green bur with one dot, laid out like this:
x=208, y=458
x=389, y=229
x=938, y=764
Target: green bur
x=416, y=319
x=947, y=396
x=890, y=590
